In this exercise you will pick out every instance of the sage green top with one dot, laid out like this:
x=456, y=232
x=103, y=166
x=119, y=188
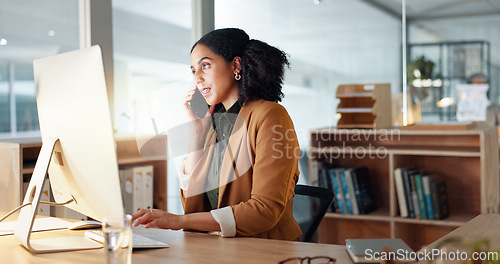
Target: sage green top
x=223, y=122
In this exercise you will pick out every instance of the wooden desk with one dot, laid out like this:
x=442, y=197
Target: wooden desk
x=480, y=227
x=185, y=247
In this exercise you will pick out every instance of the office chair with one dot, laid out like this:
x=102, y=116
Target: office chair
x=309, y=207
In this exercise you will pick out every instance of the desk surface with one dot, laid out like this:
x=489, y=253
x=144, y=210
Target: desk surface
x=185, y=247
x=482, y=226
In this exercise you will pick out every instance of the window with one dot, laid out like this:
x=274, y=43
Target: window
x=4, y=99
x=329, y=43
x=151, y=45
x=30, y=30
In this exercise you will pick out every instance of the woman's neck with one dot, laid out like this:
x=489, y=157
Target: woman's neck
x=231, y=98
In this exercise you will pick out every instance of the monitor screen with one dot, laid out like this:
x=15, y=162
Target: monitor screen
x=73, y=107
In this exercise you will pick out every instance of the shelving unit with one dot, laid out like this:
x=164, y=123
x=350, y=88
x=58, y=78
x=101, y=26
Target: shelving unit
x=364, y=105
x=18, y=158
x=467, y=160
x=17, y=161
x=128, y=155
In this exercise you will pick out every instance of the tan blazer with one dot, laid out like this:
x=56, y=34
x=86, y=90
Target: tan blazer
x=258, y=173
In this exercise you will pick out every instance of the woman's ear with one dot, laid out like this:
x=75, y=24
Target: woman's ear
x=237, y=64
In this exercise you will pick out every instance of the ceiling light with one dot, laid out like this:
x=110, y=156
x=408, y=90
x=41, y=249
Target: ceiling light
x=52, y=33
x=427, y=83
x=445, y=102
x=417, y=73
x=3, y=42
x=437, y=83
x=316, y=2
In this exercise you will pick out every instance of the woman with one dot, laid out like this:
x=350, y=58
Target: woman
x=240, y=173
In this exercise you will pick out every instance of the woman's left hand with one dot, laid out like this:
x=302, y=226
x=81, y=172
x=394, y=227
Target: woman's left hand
x=157, y=219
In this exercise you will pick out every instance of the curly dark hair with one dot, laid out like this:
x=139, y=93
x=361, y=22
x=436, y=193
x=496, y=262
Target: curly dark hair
x=262, y=65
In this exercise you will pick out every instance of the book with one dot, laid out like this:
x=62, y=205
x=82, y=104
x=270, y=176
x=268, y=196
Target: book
x=421, y=197
x=326, y=182
x=426, y=183
x=337, y=190
x=440, y=200
x=414, y=195
x=376, y=250
x=322, y=178
x=345, y=189
x=326, y=174
x=350, y=187
x=314, y=167
x=363, y=190
x=407, y=188
x=400, y=192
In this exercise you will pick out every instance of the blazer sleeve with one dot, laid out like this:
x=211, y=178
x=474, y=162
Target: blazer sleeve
x=275, y=171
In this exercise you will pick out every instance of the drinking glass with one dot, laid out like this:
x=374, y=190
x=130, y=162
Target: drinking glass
x=118, y=239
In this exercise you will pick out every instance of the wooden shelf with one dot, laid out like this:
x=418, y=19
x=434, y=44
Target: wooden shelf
x=452, y=220
x=134, y=160
x=382, y=215
x=417, y=152
x=351, y=95
x=434, y=152
x=356, y=125
x=154, y=153
x=364, y=105
x=467, y=160
x=18, y=158
x=377, y=215
x=28, y=170
x=355, y=110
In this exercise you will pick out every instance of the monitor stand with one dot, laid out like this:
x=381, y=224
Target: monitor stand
x=27, y=215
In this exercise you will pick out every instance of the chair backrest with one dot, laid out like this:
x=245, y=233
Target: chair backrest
x=309, y=207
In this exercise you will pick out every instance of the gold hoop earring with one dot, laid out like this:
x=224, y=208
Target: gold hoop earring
x=237, y=76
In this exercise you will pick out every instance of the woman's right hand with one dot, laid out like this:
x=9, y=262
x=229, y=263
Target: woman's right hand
x=197, y=125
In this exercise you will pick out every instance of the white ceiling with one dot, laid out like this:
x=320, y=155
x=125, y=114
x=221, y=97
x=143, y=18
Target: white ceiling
x=432, y=9
x=176, y=12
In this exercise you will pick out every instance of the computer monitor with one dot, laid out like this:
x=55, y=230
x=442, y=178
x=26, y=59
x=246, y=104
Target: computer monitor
x=78, y=150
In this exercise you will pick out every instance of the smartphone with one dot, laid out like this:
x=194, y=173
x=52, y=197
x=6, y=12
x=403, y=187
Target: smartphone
x=198, y=104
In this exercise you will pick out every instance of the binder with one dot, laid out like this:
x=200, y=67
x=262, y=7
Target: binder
x=43, y=209
x=147, y=187
x=137, y=193
x=127, y=186
x=136, y=184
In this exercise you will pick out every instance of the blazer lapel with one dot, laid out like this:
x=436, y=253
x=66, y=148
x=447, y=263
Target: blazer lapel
x=197, y=182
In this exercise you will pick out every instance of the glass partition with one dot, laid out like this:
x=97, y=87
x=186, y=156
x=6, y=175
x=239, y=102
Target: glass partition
x=30, y=30
x=329, y=43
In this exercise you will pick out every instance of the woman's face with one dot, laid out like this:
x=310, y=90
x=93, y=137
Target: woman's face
x=213, y=76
